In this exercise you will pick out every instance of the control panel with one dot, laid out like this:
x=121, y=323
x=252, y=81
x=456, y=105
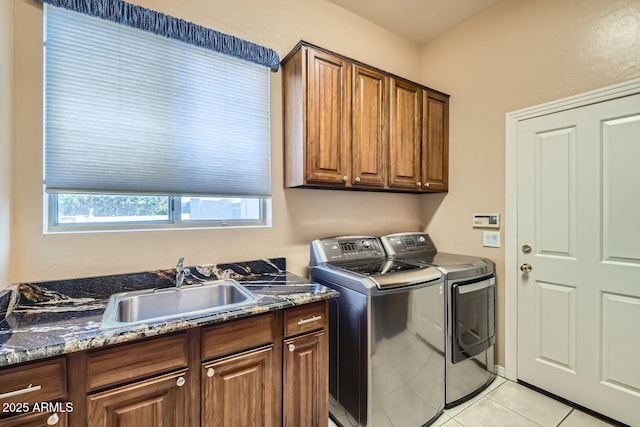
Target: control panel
x=486, y=220
x=349, y=248
x=407, y=243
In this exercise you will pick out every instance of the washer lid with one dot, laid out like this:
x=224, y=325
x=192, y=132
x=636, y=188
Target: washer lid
x=391, y=273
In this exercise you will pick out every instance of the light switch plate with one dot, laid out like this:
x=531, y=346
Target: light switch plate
x=491, y=239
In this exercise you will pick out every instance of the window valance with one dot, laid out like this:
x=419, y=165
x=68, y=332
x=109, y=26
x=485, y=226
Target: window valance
x=178, y=29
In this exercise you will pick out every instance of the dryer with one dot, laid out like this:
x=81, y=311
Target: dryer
x=469, y=283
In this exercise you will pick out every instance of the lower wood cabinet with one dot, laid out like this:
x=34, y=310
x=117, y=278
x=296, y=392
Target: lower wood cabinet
x=236, y=390
x=266, y=370
x=306, y=380
x=159, y=401
x=36, y=419
x=34, y=394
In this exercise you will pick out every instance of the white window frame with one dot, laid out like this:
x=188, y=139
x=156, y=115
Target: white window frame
x=174, y=221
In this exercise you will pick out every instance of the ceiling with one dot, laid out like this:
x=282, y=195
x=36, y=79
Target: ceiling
x=417, y=20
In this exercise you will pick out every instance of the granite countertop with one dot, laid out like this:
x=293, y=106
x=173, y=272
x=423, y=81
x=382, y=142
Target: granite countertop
x=40, y=320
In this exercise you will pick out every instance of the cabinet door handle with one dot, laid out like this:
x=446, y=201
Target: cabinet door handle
x=181, y=381
x=309, y=320
x=211, y=372
x=357, y=179
x=27, y=389
x=345, y=178
x=291, y=347
x=426, y=184
x=53, y=420
x=419, y=184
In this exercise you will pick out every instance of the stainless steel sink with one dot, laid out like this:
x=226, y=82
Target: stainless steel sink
x=130, y=308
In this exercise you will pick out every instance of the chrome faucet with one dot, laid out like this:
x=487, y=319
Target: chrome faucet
x=181, y=273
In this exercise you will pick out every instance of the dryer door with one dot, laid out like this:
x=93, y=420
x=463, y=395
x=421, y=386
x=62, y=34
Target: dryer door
x=473, y=317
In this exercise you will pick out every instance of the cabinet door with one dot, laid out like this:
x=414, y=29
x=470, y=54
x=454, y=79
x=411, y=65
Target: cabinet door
x=370, y=146
x=329, y=120
x=435, y=144
x=36, y=419
x=306, y=380
x=237, y=390
x=405, y=135
x=159, y=401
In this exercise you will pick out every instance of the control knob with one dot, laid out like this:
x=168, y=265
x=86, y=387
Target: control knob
x=421, y=240
x=365, y=244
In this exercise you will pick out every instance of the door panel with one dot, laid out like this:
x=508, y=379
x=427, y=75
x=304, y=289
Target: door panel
x=557, y=325
x=329, y=130
x=578, y=200
x=555, y=164
x=620, y=367
x=305, y=380
x=370, y=137
x=435, y=142
x=621, y=204
x=237, y=390
x=159, y=401
x=405, y=135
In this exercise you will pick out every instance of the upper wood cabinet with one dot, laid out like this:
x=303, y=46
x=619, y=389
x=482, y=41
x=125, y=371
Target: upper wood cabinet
x=320, y=114
x=406, y=135
x=351, y=126
x=435, y=143
x=370, y=130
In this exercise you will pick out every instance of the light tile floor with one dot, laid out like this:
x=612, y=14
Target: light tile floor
x=506, y=403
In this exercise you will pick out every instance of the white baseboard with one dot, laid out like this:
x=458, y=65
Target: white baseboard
x=500, y=370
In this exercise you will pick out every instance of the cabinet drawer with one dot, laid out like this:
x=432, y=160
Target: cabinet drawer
x=238, y=335
x=37, y=382
x=36, y=419
x=305, y=318
x=133, y=361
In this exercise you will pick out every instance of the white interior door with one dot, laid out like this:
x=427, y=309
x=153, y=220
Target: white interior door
x=579, y=211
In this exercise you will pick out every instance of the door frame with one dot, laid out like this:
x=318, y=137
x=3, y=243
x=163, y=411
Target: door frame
x=619, y=90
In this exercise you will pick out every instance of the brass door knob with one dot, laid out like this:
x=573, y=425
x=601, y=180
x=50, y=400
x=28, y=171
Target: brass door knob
x=526, y=249
x=526, y=268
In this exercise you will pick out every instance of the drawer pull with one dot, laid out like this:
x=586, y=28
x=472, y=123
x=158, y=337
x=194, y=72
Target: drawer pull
x=180, y=382
x=211, y=372
x=309, y=320
x=291, y=347
x=53, y=420
x=28, y=389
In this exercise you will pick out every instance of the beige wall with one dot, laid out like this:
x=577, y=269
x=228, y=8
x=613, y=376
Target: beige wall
x=298, y=215
x=517, y=54
x=6, y=64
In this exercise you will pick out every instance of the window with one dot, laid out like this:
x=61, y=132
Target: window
x=75, y=212
x=142, y=131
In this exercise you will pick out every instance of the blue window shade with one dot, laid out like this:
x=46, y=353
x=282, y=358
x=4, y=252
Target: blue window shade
x=130, y=111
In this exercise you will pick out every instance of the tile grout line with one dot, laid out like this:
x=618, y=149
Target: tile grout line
x=514, y=411
x=566, y=416
x=482, y=396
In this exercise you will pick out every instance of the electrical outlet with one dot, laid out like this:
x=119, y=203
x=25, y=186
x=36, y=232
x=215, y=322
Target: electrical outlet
x=491, y=239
